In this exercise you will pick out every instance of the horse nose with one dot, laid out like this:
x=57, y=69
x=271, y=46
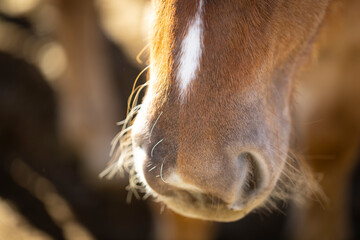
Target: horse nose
x=234, y=182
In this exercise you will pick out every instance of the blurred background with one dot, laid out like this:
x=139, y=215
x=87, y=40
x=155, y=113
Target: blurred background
x=66, y=71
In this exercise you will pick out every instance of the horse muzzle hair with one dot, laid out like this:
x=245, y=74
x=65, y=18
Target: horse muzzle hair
x=212, y=137
x=210, y=160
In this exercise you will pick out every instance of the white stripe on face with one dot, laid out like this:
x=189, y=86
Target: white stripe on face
x=190, y=53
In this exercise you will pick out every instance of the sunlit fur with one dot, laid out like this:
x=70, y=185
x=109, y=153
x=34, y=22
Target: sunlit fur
x=254, y=73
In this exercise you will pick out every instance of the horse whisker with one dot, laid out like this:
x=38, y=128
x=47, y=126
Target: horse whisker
x=152, y=168
x=154, y=125
x=152, y=150
x=161, y=169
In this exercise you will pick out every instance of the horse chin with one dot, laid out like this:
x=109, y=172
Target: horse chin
x=210, y=211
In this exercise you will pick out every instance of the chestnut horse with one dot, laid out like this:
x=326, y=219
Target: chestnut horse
x=218, y=132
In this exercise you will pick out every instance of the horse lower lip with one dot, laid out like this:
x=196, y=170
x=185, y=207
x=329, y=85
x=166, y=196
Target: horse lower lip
x=236, y=206
x=203, y=209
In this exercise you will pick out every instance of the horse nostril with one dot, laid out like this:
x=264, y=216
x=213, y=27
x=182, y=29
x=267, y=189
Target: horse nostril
x=253, y=174
x=253, y=177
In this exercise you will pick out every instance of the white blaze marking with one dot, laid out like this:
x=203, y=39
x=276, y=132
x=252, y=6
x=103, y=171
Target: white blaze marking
x=190, y=53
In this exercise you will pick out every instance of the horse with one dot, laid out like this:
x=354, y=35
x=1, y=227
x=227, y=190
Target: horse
x=247, y=104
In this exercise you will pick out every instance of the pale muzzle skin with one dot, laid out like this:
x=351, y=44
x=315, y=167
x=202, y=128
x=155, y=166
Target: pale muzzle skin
x=212, y=136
